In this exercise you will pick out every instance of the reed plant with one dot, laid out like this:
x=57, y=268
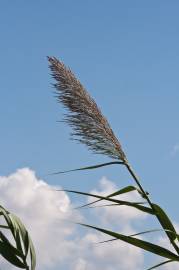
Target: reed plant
x=91, y=128
x=16, y=246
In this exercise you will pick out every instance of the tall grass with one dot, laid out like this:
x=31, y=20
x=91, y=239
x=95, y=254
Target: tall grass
x=91, y=128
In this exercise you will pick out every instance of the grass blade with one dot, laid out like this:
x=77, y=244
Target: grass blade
x=155, y=249
x=32, y=255
x=132, y=204
x=10, y=253
x=22, y=240
x=122, y=191
x=160, y=264
x=27, y=242
x=140, y=233
x=90, y=167
x=104, y=205
x=119, y=192
x=165, y=222
x=20, y=230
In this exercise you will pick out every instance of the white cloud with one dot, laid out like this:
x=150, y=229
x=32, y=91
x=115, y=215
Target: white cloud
x=43, y=211
x=58, y=243
x=171, y=266
x=108, y=256
x=175, y=149
x=164, y=242
x=112, y=215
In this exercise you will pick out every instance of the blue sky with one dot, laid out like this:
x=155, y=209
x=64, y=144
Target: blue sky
x=126, y=54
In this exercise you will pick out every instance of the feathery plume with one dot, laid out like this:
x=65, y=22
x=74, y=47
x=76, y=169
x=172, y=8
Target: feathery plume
x=89, y=126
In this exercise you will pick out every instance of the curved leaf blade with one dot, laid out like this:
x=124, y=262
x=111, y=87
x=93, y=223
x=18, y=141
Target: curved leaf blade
x=120, y=202
x=122, y=191
x=5, y=214
x=140, y=233
x=147, y=246
x=90, y=167
x=5, y=240
x=10, y=254
x=32, y=255
x=165, y=222
x=22, y=240
x=160, y=264
x=27, y=242
x=118, y=192
x=20, y=230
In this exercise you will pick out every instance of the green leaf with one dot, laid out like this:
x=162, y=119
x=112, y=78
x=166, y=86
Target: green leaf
x=21, y=237
x=103, y=205
x=120, y=202
x=118, y=192
x=155, y=249
x=32, y=255
x=122, y=191
x=165, y=222
x=4, y=227
x=140, y=233
x=20, y=231
x=150, y=231
x=11, y=254
x=90, y=167
x=27, y=242
x=5, y=240
x=5, y=213
x=157, y=265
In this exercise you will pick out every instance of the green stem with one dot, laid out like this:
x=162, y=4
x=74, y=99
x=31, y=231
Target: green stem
x=135, y=177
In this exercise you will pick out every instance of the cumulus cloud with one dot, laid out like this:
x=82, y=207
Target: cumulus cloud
x=125, y=214
x=59, y=244
x=106, y=256
x=44, y=212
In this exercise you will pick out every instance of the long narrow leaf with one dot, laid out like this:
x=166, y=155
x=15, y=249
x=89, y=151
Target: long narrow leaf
x=160, y=264
x=155, y=249
x=134, y=204
x=122, y=191
x=9, y=253
x=165, y=222
x=140, y=233
x=103, y=205
x=4, y=227
x=5, y=214
x=20, y=230
x=32, y=255
x=5, y=240
x=118, y=192
x=27, y=242
x=22, y=240
x=90, y=167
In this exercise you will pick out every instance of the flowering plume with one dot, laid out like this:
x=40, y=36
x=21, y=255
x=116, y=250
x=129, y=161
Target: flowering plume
x=89, y=126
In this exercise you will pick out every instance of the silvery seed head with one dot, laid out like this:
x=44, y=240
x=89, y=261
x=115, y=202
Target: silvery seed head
x=89, y=126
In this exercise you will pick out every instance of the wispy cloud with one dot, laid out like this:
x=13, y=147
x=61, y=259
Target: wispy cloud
x=175, y=149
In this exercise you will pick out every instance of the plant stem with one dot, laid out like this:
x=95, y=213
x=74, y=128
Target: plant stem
x=135, y=177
